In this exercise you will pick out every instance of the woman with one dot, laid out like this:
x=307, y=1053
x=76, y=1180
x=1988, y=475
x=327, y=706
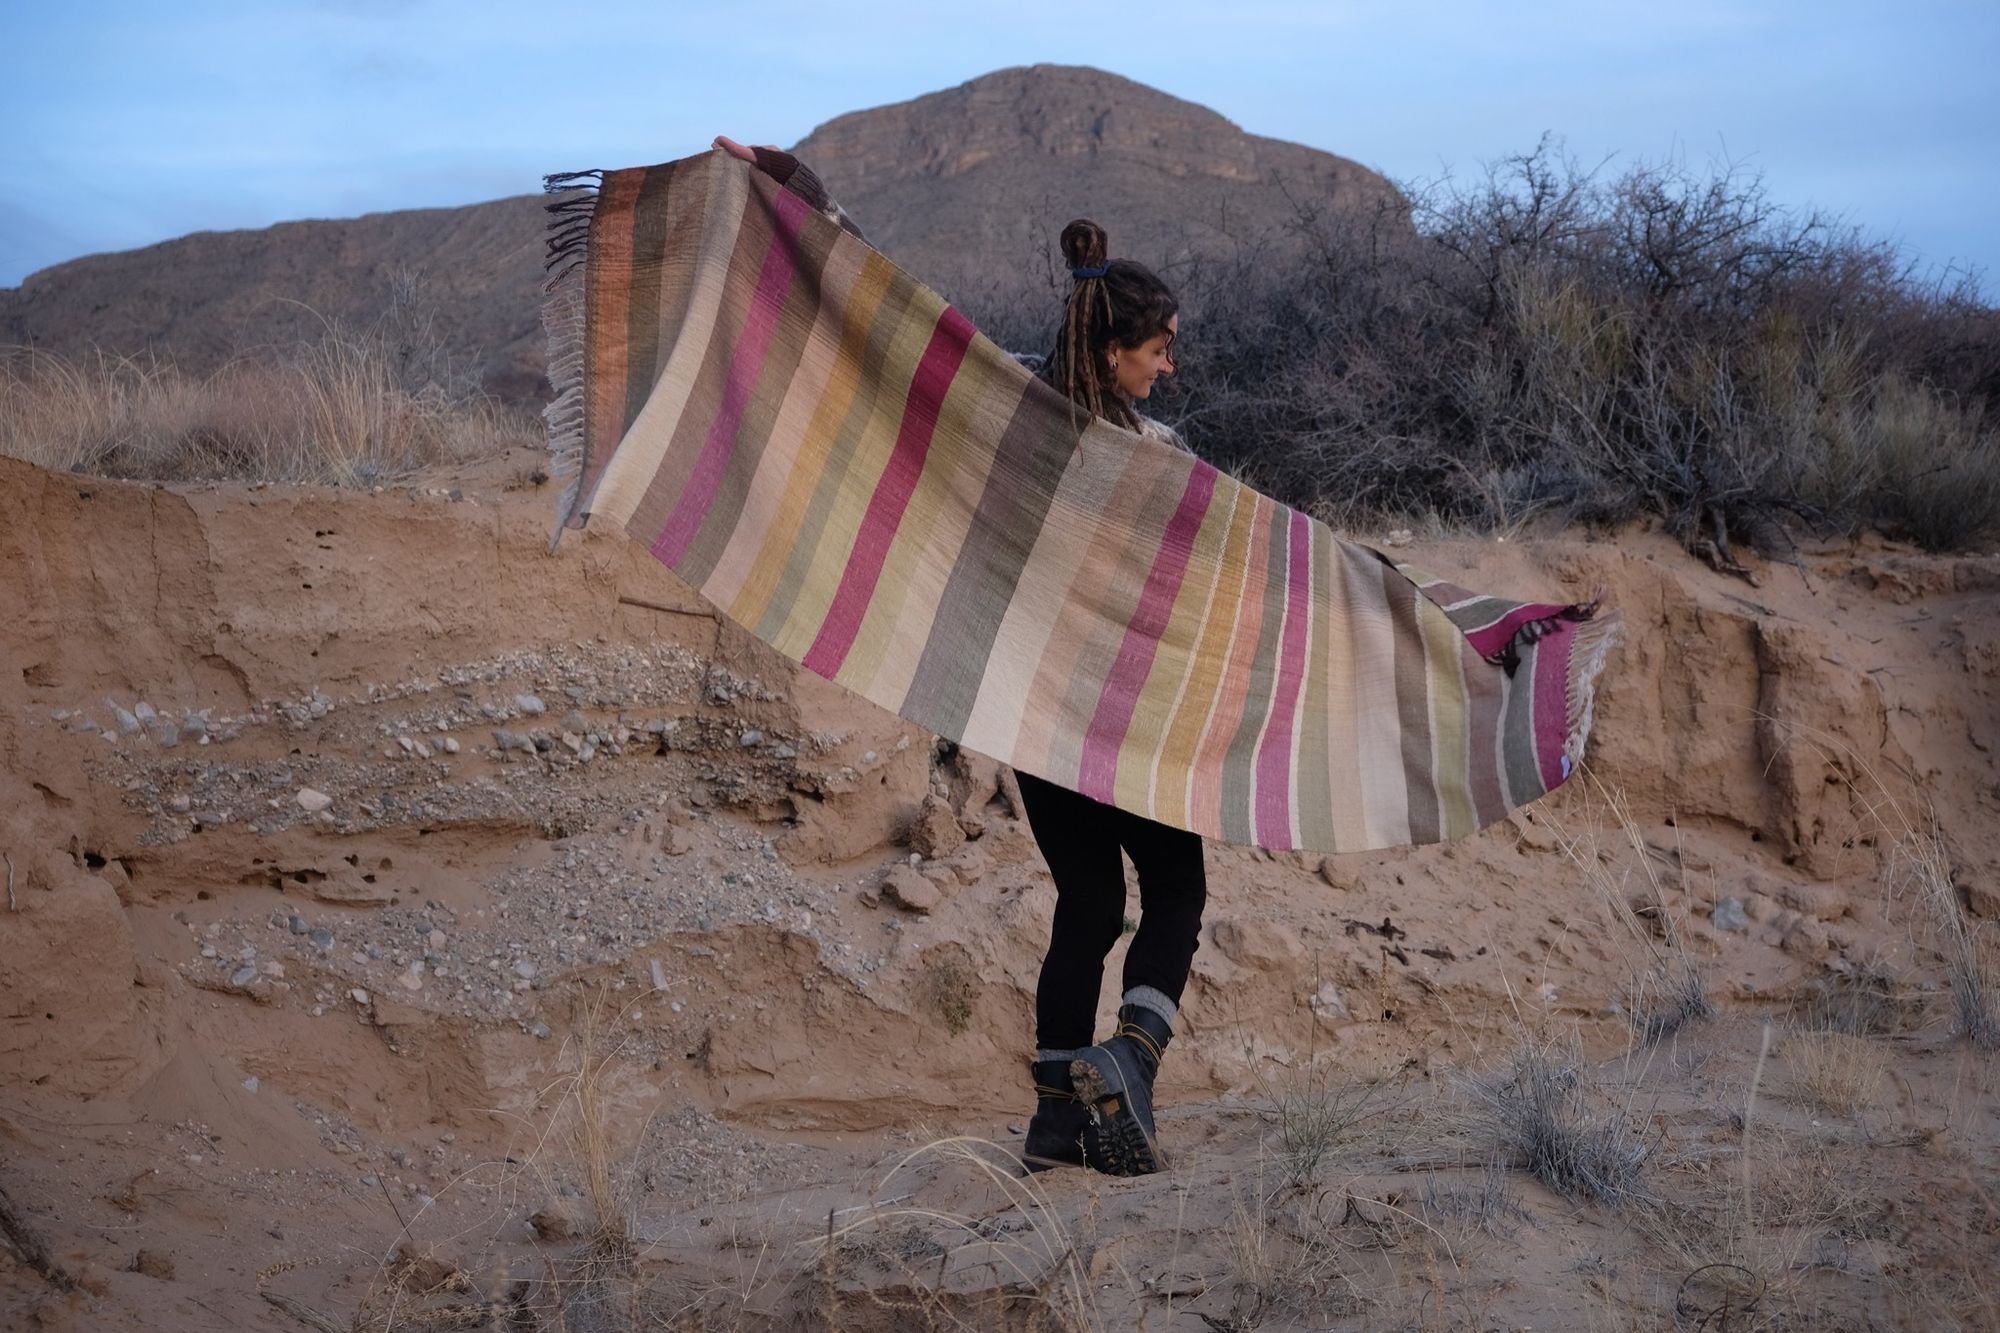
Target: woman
x=1094, y=1101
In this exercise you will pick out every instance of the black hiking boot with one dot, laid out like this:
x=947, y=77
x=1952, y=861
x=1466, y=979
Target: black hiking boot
x=1115, y=1081
x=1061, y=1123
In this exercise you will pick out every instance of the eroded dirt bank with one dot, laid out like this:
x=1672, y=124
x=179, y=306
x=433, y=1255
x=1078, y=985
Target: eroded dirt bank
x=344, y=830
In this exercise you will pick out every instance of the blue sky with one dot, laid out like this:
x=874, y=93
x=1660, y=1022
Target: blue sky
x=129, y=123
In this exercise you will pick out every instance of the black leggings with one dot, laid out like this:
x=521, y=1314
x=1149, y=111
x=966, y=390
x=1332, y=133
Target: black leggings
x=1080, y=839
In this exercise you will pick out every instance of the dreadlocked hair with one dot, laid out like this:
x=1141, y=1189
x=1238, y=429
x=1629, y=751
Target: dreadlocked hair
x=1125, y=307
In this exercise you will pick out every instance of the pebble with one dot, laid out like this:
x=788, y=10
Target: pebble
x=322, y=939
x=750, y=738
x=243, y=975
x=311, y=801
x=358, y=995
x=529, y=704
x=179, y=805
x=251, y=1084
x=299, y=926
x=539, y=1031
x=128, y=722
x=1728, y=914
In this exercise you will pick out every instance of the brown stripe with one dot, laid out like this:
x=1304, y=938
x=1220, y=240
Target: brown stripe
x=1412, y=704
x=1032, y=453
x=1240, y=760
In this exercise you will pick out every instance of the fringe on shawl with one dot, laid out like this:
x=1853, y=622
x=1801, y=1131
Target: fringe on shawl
x=1594, y=641
x=563, y=309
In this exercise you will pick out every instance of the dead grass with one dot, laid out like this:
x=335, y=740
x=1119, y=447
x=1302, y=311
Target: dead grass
x=1550, y=1115
x=332, y=412
x=1834, y=1072
x=1920, y=865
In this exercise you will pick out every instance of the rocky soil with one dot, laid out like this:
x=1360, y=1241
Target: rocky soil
x=407, y=928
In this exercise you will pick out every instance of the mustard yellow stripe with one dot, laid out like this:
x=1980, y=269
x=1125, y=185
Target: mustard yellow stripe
x=877, y=441
x=802, y=408
x=1211, y=653
x=1451, y=736
x=809, y=460
x=1138, y=758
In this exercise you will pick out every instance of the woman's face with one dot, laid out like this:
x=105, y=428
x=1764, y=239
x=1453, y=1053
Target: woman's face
x=1135, y=368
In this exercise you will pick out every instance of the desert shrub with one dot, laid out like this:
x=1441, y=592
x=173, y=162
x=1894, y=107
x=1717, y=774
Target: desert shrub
x=1546, y=342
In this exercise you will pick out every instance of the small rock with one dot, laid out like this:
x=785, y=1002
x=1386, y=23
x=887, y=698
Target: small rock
x=358, y=995
x=243, y=975
x=311, y=801
x=179, y=805
x=299, y=926
x=539, y=1031
x=451, y=745
x=1728, y=915
x=251, y=1084
x=750, y=738
x=935, y=831
x=1326, y=1002
x=529, y=704
x=412, y=979
x=322, y=939
x=1257, y=944
x=128, y=722
x=525, y=970
x=144, y=712
x=910, y=890
x=557, y=1220
x=155, y=1264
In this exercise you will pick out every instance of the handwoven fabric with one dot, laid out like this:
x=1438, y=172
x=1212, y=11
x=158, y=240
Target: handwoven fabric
x=835, y=458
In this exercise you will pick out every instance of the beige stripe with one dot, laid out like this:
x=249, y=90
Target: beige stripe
x=835, y=548
x=1039, y=640
x=976, y=410
x=809, y=453
x=637, y=457
x=796, y=415
x=1313, y=531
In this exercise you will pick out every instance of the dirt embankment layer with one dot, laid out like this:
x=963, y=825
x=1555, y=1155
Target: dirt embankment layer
x=336, y=823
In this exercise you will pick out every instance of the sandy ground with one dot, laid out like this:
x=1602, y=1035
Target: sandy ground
x=410, y=929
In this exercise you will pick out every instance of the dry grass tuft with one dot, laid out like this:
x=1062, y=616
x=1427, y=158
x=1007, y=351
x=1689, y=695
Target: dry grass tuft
x=1920, y=863
x=1550, y=1115
x=333, y=412
x=1835, y=1072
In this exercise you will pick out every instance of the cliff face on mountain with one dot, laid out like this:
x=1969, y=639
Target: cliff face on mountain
x=964, y=187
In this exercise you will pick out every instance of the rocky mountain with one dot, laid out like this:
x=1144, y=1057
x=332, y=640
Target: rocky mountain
x=965, y=187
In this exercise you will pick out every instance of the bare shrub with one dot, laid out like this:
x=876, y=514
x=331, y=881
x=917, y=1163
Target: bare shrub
x=1551, y=342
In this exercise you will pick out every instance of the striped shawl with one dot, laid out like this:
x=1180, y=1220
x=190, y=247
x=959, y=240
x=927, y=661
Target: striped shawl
x=835, y=458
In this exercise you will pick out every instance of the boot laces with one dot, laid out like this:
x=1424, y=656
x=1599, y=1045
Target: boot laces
x=1140, y=1035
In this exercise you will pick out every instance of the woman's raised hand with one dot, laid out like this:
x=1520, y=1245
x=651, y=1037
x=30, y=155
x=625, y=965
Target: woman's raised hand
x=735, y=149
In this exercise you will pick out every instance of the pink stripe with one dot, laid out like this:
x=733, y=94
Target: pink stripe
x=744, y=363
x=1142, y=638
x=1490, y=639
x=892, y=494
x=1552, y=702
x=1274, y=786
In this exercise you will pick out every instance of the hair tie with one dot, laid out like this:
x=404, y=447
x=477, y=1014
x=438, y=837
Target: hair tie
x=1081, y=273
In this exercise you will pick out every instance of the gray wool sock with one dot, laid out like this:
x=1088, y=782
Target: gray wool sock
x=1064, y=1056
x=1146, y=997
